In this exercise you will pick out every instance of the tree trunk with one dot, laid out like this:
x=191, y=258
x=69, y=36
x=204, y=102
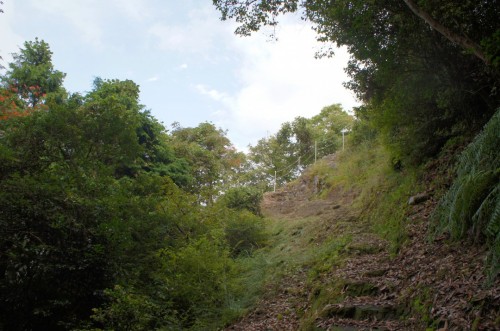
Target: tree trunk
x=462, y=41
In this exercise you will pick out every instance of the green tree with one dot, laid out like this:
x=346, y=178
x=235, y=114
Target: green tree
x=70, y=226
x=73, y=222
x=243, y=198
x=296, y=145
x=32, y=75
x=53, y=252
x=214, y=161
x=256, y=14
x=421, y=87
x=110, y=117
x=269, y=162
x=460, y=39
x=242, y=219
x=95, y=230
x=327, y=127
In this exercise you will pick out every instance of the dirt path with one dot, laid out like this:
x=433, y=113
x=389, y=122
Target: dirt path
x=426, y=282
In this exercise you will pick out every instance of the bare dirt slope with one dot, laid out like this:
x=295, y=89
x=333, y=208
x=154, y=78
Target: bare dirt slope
x=436, y=285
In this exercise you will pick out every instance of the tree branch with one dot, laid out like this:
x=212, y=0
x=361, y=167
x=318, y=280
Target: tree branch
x=463, y=41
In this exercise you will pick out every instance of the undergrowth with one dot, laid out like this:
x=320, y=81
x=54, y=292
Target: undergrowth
x=382, y=191
x=471, y=207
x=289, y=251
x=380, y=196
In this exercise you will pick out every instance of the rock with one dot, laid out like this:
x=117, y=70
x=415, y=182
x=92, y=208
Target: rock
x=360, y=311
x=332, y=310
x=419, y=198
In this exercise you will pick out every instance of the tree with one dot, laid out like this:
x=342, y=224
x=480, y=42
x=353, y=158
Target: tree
x=270, y=163
x=73, y=221
x=54, y=255
x=32, y=74
x=327, y=127
x=95, y=231
x=243, y=198
x=158, y=152
x=255, y=14
x=211, y=156
x=10, y=106
x=462, y=40
x=296, y=144
x=421, y=88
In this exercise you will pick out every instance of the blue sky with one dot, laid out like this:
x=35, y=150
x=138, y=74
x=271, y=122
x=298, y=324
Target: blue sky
x=190, y=66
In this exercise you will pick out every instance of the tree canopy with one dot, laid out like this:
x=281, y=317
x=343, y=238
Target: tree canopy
x=104, y=220
x=298, y=144
x=212, y=157
x=422, y=81
x=32, y=76
x=109, y=221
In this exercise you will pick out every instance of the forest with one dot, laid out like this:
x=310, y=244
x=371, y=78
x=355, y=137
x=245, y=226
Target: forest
x=110, y=220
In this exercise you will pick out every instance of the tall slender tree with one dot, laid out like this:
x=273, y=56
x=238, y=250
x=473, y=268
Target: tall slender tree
x=32, y=74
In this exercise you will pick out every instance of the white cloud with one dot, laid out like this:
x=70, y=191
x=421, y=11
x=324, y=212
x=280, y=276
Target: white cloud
x=170, y=37
x=183, y=66
x=280, y=81
x=133, y=9
x=219, y=113
x=213, y=94
x=198, y=34
x=91, y=17
x=11, y=41
x=153, y=78
x=86, y=16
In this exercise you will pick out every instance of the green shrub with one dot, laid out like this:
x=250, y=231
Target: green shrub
x=127, y=310
x=363, y=129
x=200, y=281
x=244, y=232
x=243, y=198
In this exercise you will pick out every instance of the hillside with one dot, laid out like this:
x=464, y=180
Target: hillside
x=337, y=270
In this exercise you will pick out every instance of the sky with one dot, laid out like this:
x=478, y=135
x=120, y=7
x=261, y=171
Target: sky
x=190, y=66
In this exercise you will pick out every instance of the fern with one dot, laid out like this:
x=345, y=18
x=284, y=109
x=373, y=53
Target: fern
x=490, y=207
x=496, y=216
x=471, y=207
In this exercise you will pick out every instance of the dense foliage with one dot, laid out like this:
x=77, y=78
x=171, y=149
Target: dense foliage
x=104, y=221
x=108, y=221
x=427, y=73
x=420, y=87
x=215, y=161
x=297, y=144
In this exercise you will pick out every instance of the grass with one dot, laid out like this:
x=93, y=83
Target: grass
x=291, y=249
x=358, y=168
x=313, y=247
x=382, y=191
x=470, y=209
